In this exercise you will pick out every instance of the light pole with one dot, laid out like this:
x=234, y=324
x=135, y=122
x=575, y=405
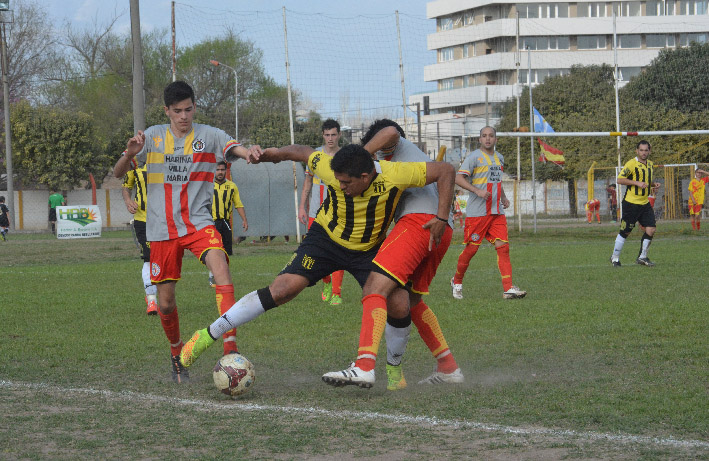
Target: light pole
x=236, y=96
x=5, y=7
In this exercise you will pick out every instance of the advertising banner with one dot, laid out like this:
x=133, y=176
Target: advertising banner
x=78, y=222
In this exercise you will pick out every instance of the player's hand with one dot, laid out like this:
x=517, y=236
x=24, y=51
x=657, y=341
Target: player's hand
x=437, y=228
x=135, y=144
x=303, y=216
x=245, y=225
x=132, y=207
x=505, y=203
x=484, y=194
x=253, y=154
x=642, y=184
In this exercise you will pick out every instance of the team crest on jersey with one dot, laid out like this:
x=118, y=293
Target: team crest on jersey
x=154, y=269
x=475, y=237
x=316, y=159
x=157, y=140
x=198, y=145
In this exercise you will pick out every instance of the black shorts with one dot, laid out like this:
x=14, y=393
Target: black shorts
x=139, y=228
x=641, y=214
x=52, y=215
x=4, y=222
x=318, y=255
x=222, y=226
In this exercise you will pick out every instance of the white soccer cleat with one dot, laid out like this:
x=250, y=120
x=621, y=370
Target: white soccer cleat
x=350, y=376
x=514, y=293
x=444, y=378
x=457, y=290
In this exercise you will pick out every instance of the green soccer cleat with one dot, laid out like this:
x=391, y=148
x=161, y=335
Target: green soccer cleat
x=327, y=292
x=336, y=300
x=198, y=343
x=395, y=378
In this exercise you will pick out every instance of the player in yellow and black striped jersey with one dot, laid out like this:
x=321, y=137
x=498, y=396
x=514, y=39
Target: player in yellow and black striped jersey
x=637, y=176
x=226, y=199
x=137, y=179
x=347, y=232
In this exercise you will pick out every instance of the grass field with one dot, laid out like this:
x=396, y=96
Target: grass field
x=596, y=362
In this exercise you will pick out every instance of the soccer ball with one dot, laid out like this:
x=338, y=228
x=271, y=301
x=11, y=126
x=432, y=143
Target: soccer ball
x=234, y=375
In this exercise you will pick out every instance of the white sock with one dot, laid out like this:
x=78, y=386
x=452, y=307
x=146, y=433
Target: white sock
x=150, y=289
x=244, y=310
x=396, y=339
x=645, y=245
x=619, y=242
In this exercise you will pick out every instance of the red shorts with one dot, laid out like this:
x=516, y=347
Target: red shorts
x=166, y=255
x=695, y=209
x=404, y=254
x=593, y=205
x=491, y=227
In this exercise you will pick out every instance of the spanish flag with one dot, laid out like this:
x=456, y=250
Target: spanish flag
x=550, y=154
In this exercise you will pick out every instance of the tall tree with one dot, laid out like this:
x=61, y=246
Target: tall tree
x=677, y=79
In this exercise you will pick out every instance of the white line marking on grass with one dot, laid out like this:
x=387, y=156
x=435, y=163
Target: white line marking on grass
x=363, y=415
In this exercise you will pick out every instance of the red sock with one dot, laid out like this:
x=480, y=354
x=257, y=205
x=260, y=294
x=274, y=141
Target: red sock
x=337, y=277
x=225, y=299
x=464, y=261
x=698, y=225
x=374, y=318
x=430, y=331
x=503, y=262
x=326, y=279
x=171, y=325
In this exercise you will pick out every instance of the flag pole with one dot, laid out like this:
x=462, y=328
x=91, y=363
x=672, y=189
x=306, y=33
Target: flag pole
x=531, y=138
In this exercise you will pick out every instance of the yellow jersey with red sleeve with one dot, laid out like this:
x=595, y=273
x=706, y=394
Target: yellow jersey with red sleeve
x=360, y=223
x=696, y=190
x=138, y=178
x=226, y=198
x=635, y=170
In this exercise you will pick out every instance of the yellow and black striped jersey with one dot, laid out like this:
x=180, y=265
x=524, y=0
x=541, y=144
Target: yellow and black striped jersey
x=360, y=223
x=138, y=178
x=635, y=170
x=226, y=198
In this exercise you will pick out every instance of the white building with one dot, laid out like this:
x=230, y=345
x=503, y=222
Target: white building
x=477, y=64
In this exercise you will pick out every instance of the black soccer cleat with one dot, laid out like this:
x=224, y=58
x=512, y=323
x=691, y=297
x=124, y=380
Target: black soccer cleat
x=645, y=262
x=615, y=263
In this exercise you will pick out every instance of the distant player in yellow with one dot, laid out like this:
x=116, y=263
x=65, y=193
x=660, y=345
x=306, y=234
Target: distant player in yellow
x=696, y=196
x=137, y=179
x=637, y=176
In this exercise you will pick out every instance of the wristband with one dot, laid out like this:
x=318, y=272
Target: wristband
x=441, y=219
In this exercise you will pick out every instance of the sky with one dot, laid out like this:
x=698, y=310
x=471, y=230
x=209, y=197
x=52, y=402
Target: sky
x=348, y=87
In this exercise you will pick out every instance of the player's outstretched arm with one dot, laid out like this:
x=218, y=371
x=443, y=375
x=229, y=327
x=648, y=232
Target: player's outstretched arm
x=294, y=152
x=386, y=139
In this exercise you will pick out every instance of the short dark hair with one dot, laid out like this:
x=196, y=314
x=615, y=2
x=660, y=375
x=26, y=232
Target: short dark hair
x=352, y=160
x=222, y=162
x=378, y=126
x=2, y=199
x=329, y=124
x=643, y=142
x=176, y=92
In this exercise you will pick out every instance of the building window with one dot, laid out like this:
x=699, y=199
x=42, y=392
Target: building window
x=591, y=10
x=659, y=40
x=446, y=24
x=628, y=9
x=545, y=43
x=591, y=42
x=654, y=8
x=543, y=10
x=447, y=84
x=469, y=18
x=687, y=39
x=626, y=73
x=629, y=41
x=445, y=54
x=670, y=7
x=692, y=7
